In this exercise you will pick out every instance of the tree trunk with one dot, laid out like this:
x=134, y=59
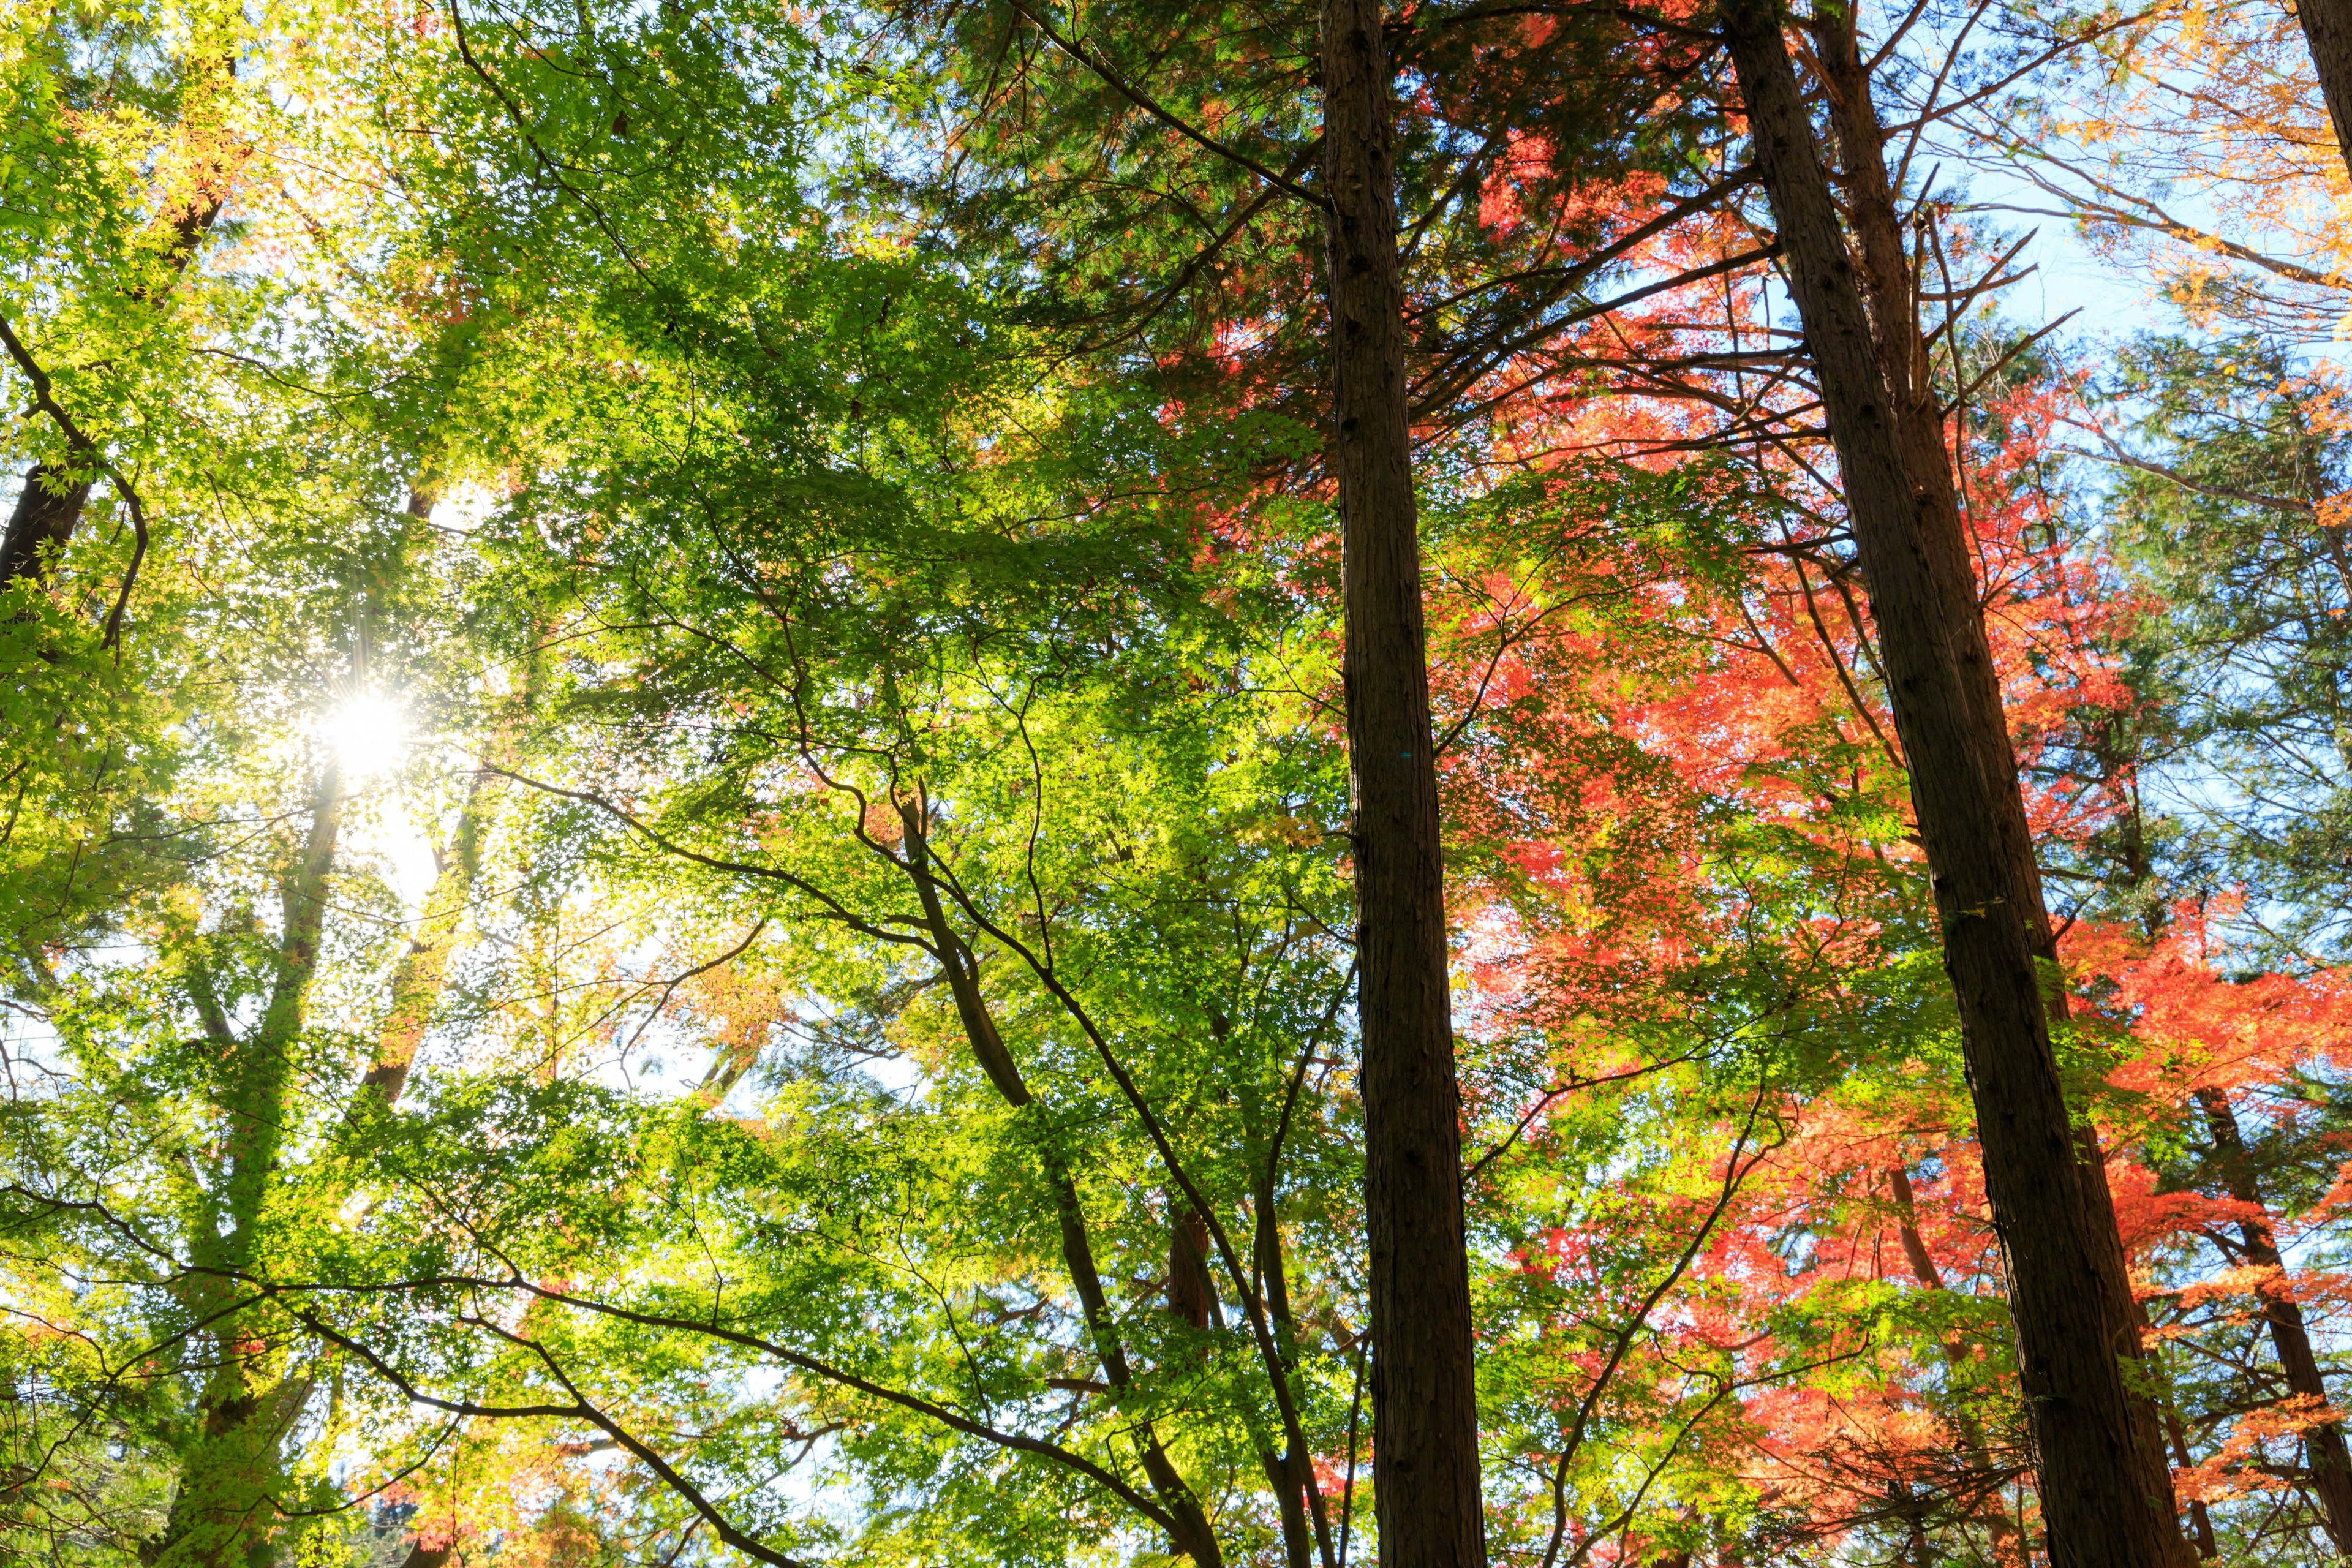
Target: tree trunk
x=1191, y=1533
x=1191, y=1289
x=1424, y=1377
x=423, y=973
x=1306, y=1521
x=241, y=1422
x=2328, y=30
x=2101, y=1488
x=221, y=1513
x=44, y=519
x=2331, y=1464
x=1891, y=292
x=2201, y=1518
x=2008, y=1549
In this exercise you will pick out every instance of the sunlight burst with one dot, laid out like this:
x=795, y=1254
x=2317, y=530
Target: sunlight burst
x=368, y=735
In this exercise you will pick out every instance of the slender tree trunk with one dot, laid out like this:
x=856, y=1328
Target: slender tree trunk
x=246, y=1421
x=222, y=1512
x=47, y=511
x=2102, y=1490
x=2331, y=1464
x=2201, y=1520
x=2008, y=1549
x=2328, y=30
x=1423, y=1378
x=1305, y=1519
x=1191, y=1532
x=423, y=973
x=1306, y=1523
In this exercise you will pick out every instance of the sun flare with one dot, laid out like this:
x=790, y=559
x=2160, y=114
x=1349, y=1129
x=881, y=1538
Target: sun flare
x=368, y=735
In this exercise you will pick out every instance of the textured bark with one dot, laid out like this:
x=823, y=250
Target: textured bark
x=1192, y=1289
x=224, y=1489
x=2102, y=1490
x=2331, y=1463
x=2328, y=30
x=44, y=519
x=1423, y=1382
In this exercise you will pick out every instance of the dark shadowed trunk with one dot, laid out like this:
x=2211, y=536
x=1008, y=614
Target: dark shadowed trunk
x=1424, y=1407
x=2104, y=1491
x=2328, y=30
x=44, y=519
x=1191, y=1289
x=2331, y=1464
x=1890, y=290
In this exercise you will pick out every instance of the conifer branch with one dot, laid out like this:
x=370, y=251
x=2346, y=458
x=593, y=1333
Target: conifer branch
x=1136, y=96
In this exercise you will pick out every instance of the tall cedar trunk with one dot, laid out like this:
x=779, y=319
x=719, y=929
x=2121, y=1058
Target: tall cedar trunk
x=2328, y=30
x=1423, y=1382
x=2331, y=1464
x=2102, y=1488
x=1891, y=292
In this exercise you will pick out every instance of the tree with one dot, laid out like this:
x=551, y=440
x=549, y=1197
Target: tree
x=2231, y=523
x=839, y=1041
x=1423, y=1379
x=2102, y=1481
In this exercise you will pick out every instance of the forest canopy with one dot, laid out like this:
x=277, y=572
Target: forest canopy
x=939, y=781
